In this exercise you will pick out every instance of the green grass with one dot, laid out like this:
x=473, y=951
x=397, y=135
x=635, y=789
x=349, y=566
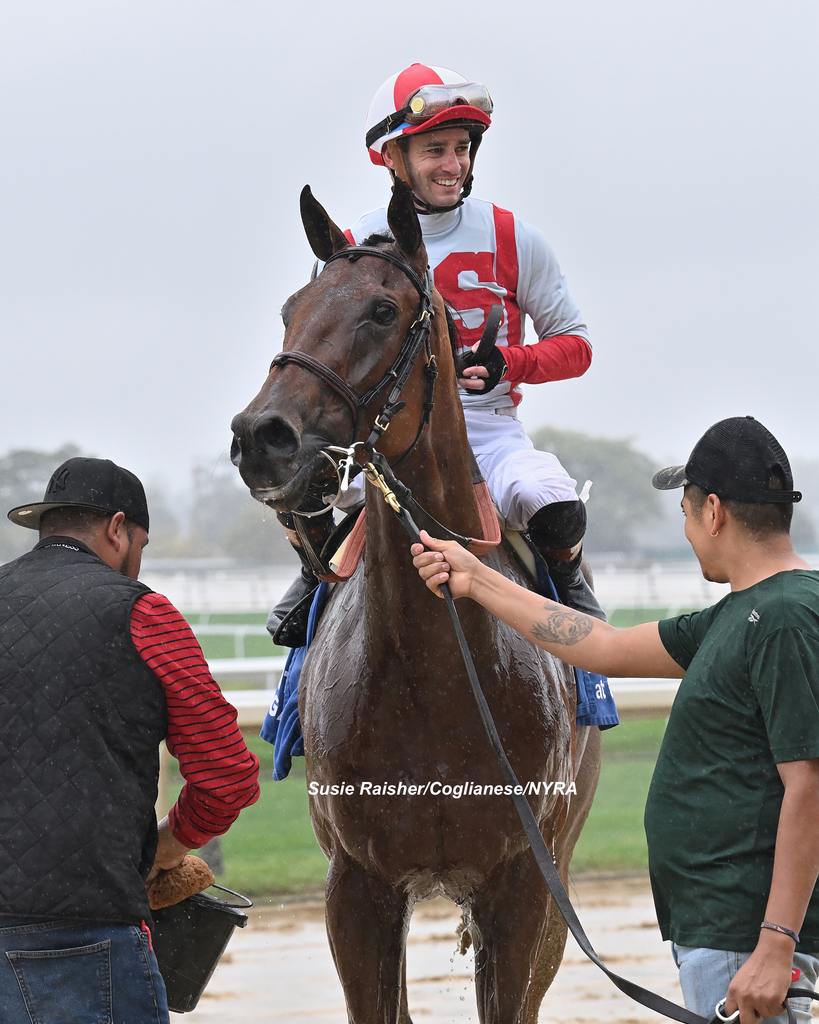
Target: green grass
x=622, y=617
x=271, y=849
x=215, y=646
x=613, y=839
x=224, y=647
x=227, y=618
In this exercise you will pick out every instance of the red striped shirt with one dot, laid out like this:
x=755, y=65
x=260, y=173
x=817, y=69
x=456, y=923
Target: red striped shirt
x=221, y=775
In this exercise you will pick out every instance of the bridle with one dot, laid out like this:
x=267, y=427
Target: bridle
x=362, y=456
x=400, y=370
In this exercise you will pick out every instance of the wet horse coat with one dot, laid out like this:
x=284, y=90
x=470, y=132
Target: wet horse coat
x=384, y=697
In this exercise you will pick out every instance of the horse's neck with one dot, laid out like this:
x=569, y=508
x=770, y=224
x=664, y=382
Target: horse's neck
x=438, y=472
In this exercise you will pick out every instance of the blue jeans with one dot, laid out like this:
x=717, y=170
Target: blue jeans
x=87, y=973
x=705, y=975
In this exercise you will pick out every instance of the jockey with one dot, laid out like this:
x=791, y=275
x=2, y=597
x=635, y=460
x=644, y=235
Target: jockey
x=425, y=125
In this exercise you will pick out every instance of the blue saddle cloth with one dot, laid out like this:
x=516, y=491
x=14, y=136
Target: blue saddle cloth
x=595, y=703
x=282, y=727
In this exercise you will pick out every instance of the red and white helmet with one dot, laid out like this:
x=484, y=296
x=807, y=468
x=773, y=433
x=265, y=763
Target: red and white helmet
x=420, y=98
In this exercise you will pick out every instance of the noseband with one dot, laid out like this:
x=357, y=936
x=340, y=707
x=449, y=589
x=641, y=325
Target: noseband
x=401, y=368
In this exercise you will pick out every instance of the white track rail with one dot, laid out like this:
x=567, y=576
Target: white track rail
x=634, y=697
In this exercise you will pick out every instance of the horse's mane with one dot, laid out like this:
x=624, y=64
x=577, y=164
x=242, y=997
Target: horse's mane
x=380, y=238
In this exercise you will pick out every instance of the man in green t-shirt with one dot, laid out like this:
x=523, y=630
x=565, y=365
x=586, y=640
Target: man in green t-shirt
x=732, y=818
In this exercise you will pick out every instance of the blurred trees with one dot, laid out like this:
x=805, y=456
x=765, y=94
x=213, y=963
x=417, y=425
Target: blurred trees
x=24, y=474
x=625, y=512
x=214, y=516
x=225, y=520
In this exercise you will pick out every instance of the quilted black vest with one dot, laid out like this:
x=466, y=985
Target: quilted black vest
x=81, y=719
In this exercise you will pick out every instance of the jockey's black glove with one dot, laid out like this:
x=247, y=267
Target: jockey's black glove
x=495, y=365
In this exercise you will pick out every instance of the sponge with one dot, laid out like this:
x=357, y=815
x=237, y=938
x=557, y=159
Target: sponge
x=186, y=879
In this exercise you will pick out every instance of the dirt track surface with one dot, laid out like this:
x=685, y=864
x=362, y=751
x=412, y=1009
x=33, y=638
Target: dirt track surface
x=279, y=968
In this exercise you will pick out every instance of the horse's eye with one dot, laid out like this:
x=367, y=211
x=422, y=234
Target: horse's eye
x=384, y=313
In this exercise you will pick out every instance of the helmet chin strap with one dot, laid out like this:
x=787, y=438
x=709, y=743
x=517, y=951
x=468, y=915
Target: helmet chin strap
x=421, y=205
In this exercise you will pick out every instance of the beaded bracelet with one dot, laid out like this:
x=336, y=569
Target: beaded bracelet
x=781, y=928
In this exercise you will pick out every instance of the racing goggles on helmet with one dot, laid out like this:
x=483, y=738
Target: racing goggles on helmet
x=429, y=101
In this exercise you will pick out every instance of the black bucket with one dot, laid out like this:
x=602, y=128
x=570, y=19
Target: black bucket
x=189, y=938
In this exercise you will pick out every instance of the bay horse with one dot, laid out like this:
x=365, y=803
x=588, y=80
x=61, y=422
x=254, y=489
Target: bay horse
x=383, y=694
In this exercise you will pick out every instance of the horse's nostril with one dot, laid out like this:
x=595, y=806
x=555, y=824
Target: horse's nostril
x=277, y=434
x=235, y=451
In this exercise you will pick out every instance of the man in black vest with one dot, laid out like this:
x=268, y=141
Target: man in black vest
x=95, y=670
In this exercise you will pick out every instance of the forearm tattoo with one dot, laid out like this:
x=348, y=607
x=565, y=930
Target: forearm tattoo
x=567, y=628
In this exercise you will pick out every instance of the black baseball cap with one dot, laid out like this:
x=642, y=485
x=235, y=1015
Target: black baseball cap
x=736, y=459
x=88, y=483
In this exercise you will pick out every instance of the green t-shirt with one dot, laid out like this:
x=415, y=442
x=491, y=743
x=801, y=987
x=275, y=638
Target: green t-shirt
x=749, y=699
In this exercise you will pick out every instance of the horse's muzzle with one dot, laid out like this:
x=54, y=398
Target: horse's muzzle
x=265, y=449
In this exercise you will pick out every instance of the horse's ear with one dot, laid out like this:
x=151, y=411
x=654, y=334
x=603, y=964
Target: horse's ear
x=404, y=224
x=324, y=236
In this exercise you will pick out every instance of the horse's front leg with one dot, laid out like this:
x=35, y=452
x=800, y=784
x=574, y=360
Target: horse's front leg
x=518, y=934
x=509, y=929
x=586, y=777
x=367, y=923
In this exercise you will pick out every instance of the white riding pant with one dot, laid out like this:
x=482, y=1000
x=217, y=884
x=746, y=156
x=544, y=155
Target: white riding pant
x=521, y=479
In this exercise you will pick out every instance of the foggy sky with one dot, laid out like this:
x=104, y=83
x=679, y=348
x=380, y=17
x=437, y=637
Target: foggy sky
x=153, y=153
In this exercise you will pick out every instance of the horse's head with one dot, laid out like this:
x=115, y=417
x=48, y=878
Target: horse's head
x=344, y=332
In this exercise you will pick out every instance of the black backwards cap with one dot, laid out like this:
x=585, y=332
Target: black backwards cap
x=88, y=483
x=737, y=459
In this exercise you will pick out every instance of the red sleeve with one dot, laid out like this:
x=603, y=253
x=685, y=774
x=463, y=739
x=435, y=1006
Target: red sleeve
x=559, y=358
x=221, y=775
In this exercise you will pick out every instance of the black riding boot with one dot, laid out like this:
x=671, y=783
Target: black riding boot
x=287, y=622
x=557, y=531
x=571, y=585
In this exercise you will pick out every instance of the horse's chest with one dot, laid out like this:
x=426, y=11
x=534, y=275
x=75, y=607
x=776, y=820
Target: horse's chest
x=400, y=770
x=414, y=722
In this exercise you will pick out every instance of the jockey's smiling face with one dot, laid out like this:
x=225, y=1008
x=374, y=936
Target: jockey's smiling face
x=438, y=164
